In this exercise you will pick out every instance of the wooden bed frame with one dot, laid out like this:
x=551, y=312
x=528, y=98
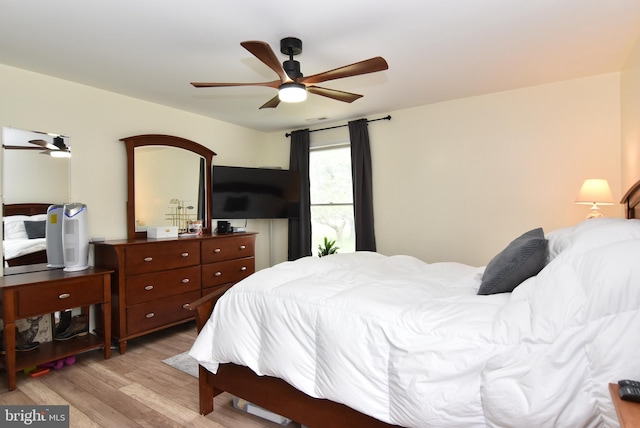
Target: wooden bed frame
x=280, y=397
x=270, y=392
x=631, y=201
x=26, y=209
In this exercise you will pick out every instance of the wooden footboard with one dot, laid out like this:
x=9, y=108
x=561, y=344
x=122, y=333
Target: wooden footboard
x=269, y=392
x=28, y=259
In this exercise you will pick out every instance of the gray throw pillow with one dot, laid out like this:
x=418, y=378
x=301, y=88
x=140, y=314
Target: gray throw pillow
x=523, y=258
x=35, y=229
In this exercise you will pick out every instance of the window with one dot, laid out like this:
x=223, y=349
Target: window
x=331, y=197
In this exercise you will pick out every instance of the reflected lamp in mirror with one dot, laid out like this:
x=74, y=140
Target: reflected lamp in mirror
x=594, y=192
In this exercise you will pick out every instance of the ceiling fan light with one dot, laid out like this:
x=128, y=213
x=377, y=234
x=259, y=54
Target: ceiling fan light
x=292, y=92
x=60, y=154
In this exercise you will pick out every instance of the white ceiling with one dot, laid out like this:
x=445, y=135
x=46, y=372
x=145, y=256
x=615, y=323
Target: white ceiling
x=436, y=49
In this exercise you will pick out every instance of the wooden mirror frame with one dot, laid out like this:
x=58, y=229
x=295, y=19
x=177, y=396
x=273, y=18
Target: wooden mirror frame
x=169, y=141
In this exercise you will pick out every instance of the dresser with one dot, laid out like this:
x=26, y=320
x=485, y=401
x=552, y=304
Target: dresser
x=46, y=291
x=154, y=280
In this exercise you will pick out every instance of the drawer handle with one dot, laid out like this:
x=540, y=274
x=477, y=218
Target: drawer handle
x=64, y=296
x=148, y=259
x=243, y=268
x=149, y=287
x=243, y=247
x=217, y=273
x=217, y=250
x=185, y=254
x=186, y=281
x=186, y=306
x=150, y=315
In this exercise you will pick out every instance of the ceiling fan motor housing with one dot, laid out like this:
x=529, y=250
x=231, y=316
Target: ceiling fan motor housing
x=291, y=46
x=292, y=68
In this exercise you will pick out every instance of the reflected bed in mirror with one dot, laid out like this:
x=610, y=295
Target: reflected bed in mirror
x=24, y=240
x=32, y=180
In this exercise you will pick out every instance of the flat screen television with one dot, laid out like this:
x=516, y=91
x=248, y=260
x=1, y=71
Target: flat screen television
x=251, y=193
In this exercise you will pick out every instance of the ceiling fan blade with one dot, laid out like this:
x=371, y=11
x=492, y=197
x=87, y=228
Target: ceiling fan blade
x=371, y=65
x=273, y=84
x=44, y=144
x=272, y=103
x=264, y=53
x=346, y=97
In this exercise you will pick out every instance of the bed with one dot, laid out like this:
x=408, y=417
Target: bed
x=362, y=339
x=24, y=242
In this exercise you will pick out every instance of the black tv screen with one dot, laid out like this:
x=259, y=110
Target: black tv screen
x=244, y=193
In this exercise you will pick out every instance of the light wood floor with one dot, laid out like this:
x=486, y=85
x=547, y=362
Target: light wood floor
x=132, y=390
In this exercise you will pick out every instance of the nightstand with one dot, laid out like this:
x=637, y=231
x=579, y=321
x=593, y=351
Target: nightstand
x=628, y=411
x=39, y=293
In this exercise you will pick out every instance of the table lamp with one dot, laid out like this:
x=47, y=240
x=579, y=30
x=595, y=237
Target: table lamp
x=595, y=191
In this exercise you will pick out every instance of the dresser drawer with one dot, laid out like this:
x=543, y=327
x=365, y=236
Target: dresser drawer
x=217, y=250
x=151, y=286
x=230, y=271
x=159, y=313
x=59, y=296
x=161, y=256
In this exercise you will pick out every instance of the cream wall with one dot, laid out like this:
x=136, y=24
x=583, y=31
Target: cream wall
x=96, y=120
x=457, y=181
x=453, y=181
x=630, y=106
x=480, y=171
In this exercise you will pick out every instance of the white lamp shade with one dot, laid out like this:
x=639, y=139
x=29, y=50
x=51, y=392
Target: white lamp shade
x=595, y=191
x=292, y=92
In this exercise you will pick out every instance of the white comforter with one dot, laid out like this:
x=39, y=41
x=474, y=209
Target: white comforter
x=412, y=344
x=19, y=247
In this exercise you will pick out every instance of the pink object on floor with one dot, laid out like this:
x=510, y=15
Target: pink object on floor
x=58, y=364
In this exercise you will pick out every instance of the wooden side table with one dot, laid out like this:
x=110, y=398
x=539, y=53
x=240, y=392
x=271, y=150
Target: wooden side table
x=39, y=293
x=628, y=411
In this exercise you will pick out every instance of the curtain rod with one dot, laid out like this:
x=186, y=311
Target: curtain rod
x=388, y=117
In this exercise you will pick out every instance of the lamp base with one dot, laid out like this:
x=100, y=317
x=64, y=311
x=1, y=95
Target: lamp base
x=595, y=214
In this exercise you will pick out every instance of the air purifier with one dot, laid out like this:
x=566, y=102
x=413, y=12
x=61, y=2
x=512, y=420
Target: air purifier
x=75, y=237
x=53, y=228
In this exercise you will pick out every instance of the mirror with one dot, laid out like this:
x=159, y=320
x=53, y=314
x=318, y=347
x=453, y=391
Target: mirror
x=166, y=196
x=32, y=179
x=168, y=183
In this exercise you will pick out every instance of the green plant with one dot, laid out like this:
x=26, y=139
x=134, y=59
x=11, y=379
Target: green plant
x=328, y=248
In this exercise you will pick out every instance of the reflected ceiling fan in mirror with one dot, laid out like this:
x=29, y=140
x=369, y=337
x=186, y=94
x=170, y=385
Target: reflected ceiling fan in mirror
x=57, y=149
x=293, y=86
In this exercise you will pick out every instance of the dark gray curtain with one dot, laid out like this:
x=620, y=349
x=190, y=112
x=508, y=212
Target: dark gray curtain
x=362, y=186
x=300, y=228
x=201, y=196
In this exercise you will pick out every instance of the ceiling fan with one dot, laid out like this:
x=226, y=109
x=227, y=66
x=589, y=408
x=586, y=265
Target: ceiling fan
x=56, y=149
x=292, y=85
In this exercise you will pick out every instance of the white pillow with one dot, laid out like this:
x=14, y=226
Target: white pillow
x=561, y=239
x=558, y=241
x=14, y=225
x=586, y=239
